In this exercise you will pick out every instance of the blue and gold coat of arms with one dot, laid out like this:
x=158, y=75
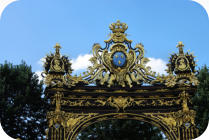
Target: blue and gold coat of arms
x=118, y=64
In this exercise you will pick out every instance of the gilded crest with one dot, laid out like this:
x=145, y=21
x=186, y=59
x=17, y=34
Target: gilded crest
x=58, y=69
x=181, y=70
x=118, y=64
x=182, y=63
x=57, y=65
x=165, y=100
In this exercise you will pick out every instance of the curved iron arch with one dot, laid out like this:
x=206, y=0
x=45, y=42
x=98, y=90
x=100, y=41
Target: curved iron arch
x=132, y=116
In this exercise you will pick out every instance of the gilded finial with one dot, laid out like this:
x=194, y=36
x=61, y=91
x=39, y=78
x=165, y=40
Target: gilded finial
x=180, y=46
x=57, y=47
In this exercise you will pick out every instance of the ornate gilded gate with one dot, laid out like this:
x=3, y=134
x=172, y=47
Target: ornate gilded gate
x=119, y=85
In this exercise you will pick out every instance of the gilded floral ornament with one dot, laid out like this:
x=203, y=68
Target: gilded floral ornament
x=185, y=117
x=58, y=69
x=120, y=102
x=118, y=64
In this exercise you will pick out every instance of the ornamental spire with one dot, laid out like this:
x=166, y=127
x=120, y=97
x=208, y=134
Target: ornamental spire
x=58, y=71
x=180, y=46
x=57, y=47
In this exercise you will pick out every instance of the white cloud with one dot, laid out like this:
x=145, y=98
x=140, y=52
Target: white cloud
x=39, y=75
x=42, y=61
x=4, y=4
x=81, y=62
x=157, y=65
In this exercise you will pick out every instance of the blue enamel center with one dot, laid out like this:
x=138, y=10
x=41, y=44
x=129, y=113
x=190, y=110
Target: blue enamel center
x=119, y=59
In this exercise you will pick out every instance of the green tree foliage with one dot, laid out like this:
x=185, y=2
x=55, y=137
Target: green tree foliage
x=201, y=100
x=121, y=130
x=23, y=108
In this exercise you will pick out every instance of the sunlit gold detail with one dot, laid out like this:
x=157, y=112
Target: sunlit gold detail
x=180, y=46
x=118, y=34
x=133, y=72
x=120, y=103
x=120, y=116
x=58, y=69
x=119, y=62
x=58, y=99
x=183, y=65
x=165, y=101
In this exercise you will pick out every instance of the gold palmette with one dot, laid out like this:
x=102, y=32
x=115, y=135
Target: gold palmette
x=120, y=85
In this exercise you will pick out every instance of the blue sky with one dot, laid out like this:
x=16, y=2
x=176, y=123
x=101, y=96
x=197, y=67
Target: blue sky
x=30, y=28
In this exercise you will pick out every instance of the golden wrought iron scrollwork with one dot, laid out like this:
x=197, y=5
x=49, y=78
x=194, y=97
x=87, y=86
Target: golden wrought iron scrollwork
x=119, y=74
x=58, y=71
x=181, y=70
x=120, y=102
x=62, y=124
x=118, y=64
